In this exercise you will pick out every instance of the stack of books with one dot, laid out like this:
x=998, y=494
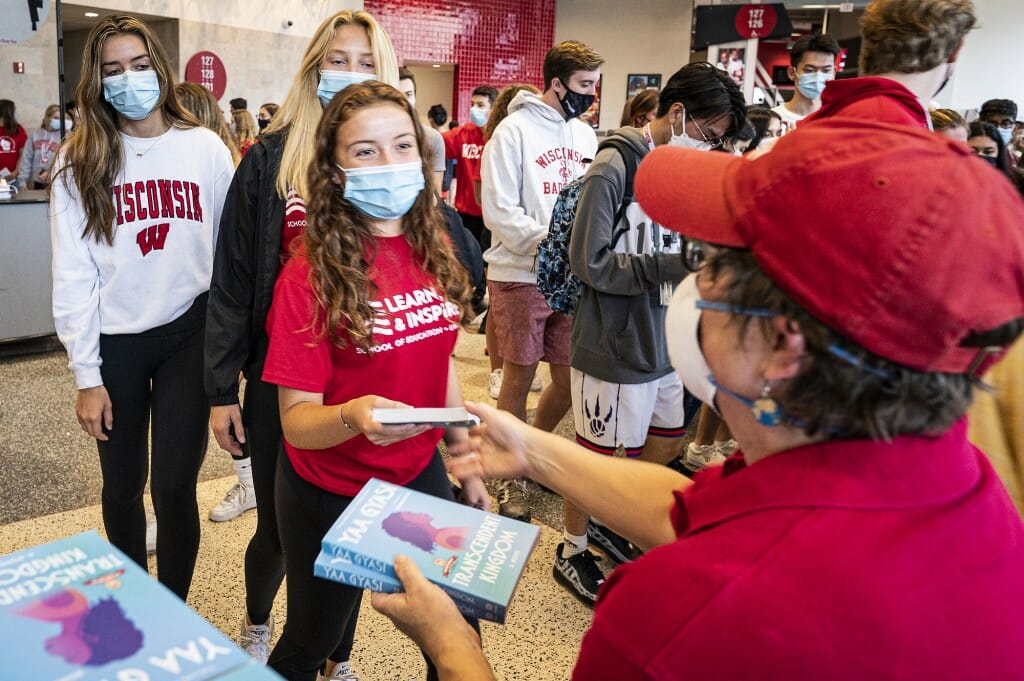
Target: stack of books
x=77, y=609
x=477, y=557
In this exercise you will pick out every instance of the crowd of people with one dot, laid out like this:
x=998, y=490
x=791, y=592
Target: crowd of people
x=826, y=283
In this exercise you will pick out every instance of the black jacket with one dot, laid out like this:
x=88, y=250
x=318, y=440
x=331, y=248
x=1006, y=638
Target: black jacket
x=245, y=267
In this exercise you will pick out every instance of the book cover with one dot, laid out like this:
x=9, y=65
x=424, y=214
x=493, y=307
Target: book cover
x=477, y=557
x=77, y=609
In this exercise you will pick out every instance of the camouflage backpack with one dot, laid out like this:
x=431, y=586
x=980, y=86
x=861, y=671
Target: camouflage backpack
x=555, y=281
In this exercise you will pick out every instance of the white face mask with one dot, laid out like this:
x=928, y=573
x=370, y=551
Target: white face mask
x=684, y=140
x=682, y=328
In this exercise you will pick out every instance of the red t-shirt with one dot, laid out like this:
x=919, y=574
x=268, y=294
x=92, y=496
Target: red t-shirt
x=843, y=561
x=294, y=223
x=11, y=143
x=465, y=144
x=414, y=335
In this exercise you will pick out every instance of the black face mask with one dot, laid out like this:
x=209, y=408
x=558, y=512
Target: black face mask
x=574, y=104
x=262, y=122
x=992, y=160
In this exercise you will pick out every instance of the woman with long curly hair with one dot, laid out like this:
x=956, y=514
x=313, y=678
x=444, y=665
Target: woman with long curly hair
x=137, y=194
x=264, y=213
x=245, y=129
x=365, y=316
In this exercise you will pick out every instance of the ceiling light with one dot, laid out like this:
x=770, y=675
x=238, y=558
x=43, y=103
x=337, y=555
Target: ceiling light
x=92, y=15
x=437, y=66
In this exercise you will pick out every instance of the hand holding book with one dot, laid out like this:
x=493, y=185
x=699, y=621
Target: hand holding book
x=497, y=448
x=428, y=616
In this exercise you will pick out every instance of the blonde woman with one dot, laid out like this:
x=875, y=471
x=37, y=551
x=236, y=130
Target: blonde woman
x=245, y=129
x=136, y=199
x=34, y=167
x=203, y=106
x=265, y=211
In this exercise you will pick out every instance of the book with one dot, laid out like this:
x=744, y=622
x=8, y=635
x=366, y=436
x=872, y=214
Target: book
x=475, y=556
x=77, y=609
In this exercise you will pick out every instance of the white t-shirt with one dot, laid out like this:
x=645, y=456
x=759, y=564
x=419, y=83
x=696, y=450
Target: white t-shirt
x=167, y=206
x=789, y=119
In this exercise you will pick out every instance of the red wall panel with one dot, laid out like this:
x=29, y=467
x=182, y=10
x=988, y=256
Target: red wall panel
x=493, y=42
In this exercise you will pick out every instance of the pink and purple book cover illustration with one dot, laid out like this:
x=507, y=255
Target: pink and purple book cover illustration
x=77, y=609
x=477, y=557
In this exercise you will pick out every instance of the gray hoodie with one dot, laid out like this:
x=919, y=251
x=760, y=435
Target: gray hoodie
x=618, y=331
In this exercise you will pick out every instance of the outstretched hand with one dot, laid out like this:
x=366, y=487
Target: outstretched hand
x=495, y=449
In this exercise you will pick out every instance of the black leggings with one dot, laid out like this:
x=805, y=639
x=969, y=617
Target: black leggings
x=319, y=610
x=264, y=563
x=156, y=374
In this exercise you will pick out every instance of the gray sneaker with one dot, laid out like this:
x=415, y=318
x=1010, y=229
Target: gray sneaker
x=512, y=500
x=615, y=546
x=579, y=574
x=255, y=638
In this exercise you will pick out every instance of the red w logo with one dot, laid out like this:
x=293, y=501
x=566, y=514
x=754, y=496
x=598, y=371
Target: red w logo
x=152, y=238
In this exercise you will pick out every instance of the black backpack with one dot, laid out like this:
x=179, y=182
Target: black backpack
x=555, y=281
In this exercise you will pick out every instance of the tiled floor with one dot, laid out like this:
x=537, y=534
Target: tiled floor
x=50, y=480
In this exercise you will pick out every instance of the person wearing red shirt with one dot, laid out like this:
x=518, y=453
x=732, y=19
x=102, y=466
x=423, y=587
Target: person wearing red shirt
x=857, y=534
x=907, y=55
x=365, y=315
x=13, y=139
x=465, y=144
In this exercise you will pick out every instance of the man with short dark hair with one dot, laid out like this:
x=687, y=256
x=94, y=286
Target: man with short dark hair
x=239, y=104
x=465, y=144
x=407, y=86
x=812, y=64
x=908, y=48
x=1002, y=113
x=626, y=398
x=538, y=149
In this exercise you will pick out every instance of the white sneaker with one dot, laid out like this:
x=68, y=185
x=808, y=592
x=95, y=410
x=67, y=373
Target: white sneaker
x=726, y=447
x=239, y=499
x=150, y=532
x=255, y=638
x=342, y=672
x=536, y=386
x=494, y=384
x=702, y=456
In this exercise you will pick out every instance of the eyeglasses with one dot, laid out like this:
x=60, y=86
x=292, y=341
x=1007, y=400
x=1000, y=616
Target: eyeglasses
x=715, y=142
x=694, y=255
x=1005, y=124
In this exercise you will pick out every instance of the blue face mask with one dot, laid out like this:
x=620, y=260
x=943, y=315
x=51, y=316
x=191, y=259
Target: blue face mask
x=54, y=124
x=479, y=116
x=133, y=94
x=1006, y=134
x=333, y=82
x=811, y=85
x=384, y=192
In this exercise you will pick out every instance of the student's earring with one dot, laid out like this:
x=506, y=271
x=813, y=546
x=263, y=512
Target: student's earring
x=766, y=410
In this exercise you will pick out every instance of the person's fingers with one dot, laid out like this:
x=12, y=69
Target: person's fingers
x=108, y=414
x=236, y=422
x=408, y=573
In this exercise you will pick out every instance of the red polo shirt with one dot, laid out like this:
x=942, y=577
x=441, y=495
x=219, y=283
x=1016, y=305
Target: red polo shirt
x=844, y=560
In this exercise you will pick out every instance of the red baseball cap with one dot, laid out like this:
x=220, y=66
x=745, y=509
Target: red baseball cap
x=895, y=238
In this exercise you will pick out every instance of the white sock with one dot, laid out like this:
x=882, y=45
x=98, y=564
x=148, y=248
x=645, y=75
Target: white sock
x=573, y=544
x=243, y=467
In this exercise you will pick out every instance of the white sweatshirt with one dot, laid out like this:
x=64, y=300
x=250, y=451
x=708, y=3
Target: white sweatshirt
x=532, y=154
x=167, y=204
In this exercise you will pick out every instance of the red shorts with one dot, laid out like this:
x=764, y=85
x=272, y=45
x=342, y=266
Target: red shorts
x=527, y=330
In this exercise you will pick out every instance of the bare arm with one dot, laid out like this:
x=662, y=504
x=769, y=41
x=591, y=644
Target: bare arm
x=310, y=424
x=474, y=492
x=634, y=498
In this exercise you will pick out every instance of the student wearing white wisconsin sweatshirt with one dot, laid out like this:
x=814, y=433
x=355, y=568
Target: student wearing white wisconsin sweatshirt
x=137, y=196
x=534, y=152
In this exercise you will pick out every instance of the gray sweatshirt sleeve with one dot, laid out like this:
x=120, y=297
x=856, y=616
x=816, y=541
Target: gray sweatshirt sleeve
x=591, y=254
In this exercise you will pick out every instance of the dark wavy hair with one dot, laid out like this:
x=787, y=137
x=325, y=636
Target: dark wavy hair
x=834, y=398
x=339, y=239
x=707, y=92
